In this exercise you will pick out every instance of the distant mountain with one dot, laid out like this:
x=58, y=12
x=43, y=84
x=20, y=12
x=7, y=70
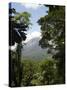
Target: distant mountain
x=32, y=50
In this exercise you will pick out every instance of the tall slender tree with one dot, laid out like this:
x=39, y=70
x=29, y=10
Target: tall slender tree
x=18, y=24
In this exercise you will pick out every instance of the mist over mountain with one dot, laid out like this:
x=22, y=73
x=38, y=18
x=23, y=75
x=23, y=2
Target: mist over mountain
x=32, y=50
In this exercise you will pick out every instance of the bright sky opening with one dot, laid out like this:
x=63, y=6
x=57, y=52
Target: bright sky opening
x=37, y=11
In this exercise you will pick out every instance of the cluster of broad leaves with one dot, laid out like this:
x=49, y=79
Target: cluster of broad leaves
x=19, y=22
x=53, y=36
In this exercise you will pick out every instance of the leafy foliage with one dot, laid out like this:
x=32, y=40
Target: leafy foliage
x=18, y=23
x=48, y=72
x=35, y=73
x=43, y=72
x=23, y=17
x=53, y=35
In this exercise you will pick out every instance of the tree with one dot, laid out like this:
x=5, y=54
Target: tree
x=48, y=68
x=53, y=36
x=28, y=72
x=18, y=24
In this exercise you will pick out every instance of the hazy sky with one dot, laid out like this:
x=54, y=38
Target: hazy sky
x=36, y=12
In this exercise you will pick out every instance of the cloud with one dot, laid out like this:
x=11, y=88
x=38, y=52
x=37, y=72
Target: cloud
x=33, y=35
x=33, y=6
x=29, y=37
x=13, y=47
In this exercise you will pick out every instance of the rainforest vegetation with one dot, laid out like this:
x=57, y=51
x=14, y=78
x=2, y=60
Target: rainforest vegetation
x=27, y=72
